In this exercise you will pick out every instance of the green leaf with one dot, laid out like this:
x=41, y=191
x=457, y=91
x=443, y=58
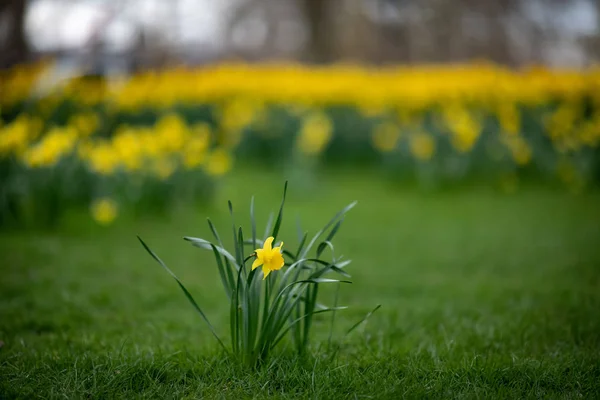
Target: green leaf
x=322, y=246
x=301, y=245
x=330, y=237
x=299, y=227
x=185, y=291
x=280, y=215
x=253, y=221
x=288, y=253
x=239, y=259
x=278, y=316
x=225, y=277
x=205, y=244
x=328, y=266
x=331, y=222
x=332, y=323
x=245, y=298
x=224, y=252
x=293, y=323
x=340, y=271
x=269, y=224
x=363, y=320
x=214, y=232
x=325, y=280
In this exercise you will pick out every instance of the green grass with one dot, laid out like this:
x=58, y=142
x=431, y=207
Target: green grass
x=483, y=295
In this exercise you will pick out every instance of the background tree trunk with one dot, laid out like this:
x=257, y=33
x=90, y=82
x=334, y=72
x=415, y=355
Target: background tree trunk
x=13, y=44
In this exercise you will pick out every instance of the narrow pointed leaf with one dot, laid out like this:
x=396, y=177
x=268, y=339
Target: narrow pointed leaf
x=185, y=291
x=301, y=245
x=238, y=255
x=253, y=221
x=205, y=244
x=280, y=215
x=293, y=323
x=322, y=246
x=214, y=232
x=222, y=273
x=269, y=225
x=330, y=236
x=363, y=320
x=331, y=222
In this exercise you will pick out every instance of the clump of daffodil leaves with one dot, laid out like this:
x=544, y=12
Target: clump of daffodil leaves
x=265, y=310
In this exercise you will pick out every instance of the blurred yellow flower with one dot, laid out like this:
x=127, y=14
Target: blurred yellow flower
x=509, y=118
x=164, y=168
x=18, y=83
x=464, y=127
x=129, y=149
x=16, y=136
x=271, y=259
x=238, y=113
x=85, y=123
x=102, y=158
x=315, y=133
x=385, y=136
x=218, y=163
x=194, y=152
x=520, y=150
x=589, y=132
x=171, y=132
x=235, y=116
x=422, y=146
x=560, y=124
x=56, y=143
x=441, y=98
x=104, y=211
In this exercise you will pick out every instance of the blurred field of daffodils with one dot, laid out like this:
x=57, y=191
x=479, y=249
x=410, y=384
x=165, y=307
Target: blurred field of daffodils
x=153, y=139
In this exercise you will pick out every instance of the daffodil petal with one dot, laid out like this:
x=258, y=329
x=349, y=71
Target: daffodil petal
x=278, y=248
x=277, y=262
x=266, y=273
x=267, y=246
x=257, y=263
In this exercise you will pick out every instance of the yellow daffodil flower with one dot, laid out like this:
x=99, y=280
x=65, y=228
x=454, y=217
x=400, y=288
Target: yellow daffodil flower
x=270, y=259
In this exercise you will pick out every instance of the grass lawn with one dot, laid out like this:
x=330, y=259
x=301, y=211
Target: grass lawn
x=483, y=295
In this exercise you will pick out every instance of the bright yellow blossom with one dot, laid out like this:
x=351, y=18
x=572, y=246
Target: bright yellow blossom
x=271, y=259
